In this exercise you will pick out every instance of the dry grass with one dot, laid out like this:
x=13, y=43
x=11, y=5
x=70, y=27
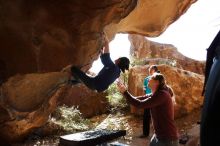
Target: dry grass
x=70, y=119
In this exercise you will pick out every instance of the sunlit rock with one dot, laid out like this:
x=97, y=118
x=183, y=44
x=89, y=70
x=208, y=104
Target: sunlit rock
x=45, y=36
x=27, y=101
x=149, y=52
x=150, y=18
x=187, y=87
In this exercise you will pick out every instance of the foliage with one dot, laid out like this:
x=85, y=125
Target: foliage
x=147, y=61
x=170, y=62
x=124, y=78
x=115, y=98
x=70, y=119
x=135, y=61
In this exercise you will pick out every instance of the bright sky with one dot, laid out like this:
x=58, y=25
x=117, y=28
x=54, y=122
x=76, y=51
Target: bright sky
x=119, y=47
x=192, y=33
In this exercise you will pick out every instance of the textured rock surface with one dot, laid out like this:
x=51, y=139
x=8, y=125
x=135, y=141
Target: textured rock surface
x=90, y=103
x=44, y=36
x=187, y=87
x=150, y=18
x=27, y=101
x=155, y=53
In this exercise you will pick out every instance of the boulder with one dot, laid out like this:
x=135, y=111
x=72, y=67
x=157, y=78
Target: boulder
x=89, y=102
x=149, y=52
x=45, y=36
x=187, y=87
x=150, y=18
x=27, y=101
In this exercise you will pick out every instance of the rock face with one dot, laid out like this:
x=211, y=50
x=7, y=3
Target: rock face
x=39, y=36
x=27, y=101
x=150, y=18
x=185, y=76
x=89, y=102
x=187, y=87
x=155, y=53
x=45, y=36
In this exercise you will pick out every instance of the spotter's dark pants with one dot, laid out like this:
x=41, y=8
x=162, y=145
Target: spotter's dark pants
x=146, y=122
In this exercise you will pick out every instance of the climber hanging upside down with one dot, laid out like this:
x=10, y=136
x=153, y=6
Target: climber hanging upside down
x=108, y=74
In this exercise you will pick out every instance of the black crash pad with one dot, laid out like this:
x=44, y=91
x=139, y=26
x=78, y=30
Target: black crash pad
x=90, y=138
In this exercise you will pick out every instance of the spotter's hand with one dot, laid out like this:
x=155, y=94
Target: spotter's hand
x=121, y=87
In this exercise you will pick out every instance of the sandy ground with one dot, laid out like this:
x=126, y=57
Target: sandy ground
x=187, y=126
x=133, y=125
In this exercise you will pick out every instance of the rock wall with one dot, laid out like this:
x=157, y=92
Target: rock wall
x=45, y=36
x=90, y=103
x=155, y=53
x=150, y=18
x=27, y=101
x=187, y=87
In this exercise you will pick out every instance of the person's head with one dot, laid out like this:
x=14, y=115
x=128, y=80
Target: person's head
x=153, y=69
x=157, y=82
x=123, y=63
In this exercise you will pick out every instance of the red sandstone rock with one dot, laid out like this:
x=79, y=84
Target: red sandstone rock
x=187, y=87
x=90, y=103
x=155, y=53
x=45, y=36
x=27, y=102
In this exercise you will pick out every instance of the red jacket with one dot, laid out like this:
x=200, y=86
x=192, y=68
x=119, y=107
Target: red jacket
x=162, y=112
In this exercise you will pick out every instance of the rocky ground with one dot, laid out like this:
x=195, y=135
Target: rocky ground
x=122, y=119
